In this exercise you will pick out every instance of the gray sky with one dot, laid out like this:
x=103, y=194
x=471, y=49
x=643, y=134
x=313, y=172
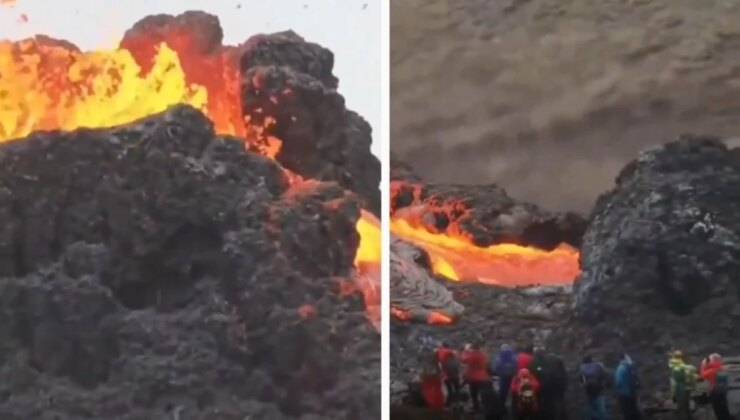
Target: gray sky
x=350, y=28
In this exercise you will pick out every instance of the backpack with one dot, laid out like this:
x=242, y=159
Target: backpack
x=634, y=378
x=527, y=397
x=593, y=377
x=428, y=362
x=451, y=365
x=721, y=383
x=678, y=374
x=509, y=369
x=691, y=376
x=559, y=375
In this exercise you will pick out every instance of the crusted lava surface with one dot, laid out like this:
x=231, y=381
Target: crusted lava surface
x=156, y=267
x=657, y=261
x=416, y=293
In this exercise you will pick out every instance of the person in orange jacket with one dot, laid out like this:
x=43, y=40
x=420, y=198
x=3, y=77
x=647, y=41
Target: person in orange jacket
x=476, y=372
x=712, y=371
x=524, y=392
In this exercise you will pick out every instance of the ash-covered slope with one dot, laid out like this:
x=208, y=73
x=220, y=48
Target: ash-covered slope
x=551, y=98
x=155, y=270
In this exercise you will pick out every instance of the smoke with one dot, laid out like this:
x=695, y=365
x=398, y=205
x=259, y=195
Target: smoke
x=542, y=100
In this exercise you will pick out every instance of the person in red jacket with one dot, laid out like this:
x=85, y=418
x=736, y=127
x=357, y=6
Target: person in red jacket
x=450, y=368
x=712, y=371
x=476, y=372
x=524, y=392
x=524, y=358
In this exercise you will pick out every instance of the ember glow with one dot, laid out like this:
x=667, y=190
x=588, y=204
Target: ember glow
x=457, y=258
x=47, y=84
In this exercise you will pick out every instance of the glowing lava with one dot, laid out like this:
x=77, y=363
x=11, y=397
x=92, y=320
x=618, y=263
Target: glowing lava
x=367, y=262
x=47, y=84
x=504, y=264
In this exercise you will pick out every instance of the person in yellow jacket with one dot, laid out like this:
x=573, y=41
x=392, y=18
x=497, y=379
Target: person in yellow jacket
x=675, y=362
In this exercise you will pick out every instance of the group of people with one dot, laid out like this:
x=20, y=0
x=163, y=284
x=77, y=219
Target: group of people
x=531, y=383
x=683, y=380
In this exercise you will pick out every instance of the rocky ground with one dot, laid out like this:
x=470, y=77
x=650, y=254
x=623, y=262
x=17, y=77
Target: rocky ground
x=657, y=260
x=155, y=270
x=551, y=98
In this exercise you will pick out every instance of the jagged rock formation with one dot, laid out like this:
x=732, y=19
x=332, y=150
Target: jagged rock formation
x=320, y=138
x=415, y=291
x=154, y=268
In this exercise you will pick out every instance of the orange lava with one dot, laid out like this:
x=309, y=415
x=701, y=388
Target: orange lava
x=367, y=261
x=48, y=85
x=505, y=264
x=434, y=318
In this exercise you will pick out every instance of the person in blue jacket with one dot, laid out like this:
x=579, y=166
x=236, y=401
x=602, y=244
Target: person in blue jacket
x=627, y=386
x=505, y=368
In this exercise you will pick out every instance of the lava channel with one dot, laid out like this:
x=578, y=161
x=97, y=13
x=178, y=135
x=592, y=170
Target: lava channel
x=458, y=259
x=49, y=84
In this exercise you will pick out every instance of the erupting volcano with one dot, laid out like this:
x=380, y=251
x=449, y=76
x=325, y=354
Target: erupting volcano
x=176, y=208
x=47, y=84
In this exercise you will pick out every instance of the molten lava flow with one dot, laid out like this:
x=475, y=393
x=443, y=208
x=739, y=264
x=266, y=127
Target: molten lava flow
x=367, y=261
x=504, y=264
x=47, y=84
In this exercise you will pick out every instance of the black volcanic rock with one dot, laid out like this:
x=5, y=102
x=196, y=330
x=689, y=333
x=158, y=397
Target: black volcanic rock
x=667, y=236
x=291, y=50
x=290, y=82
x=155, y=270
